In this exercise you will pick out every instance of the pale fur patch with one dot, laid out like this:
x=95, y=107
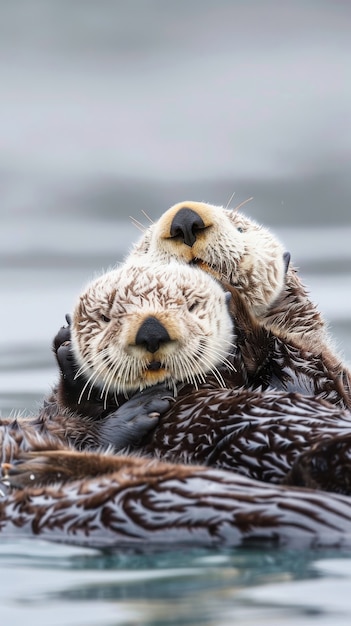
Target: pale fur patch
x=190, y=305
x=243, y=253
x=249, y=256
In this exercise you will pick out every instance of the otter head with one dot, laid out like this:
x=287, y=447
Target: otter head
x=224, y=242
x=144, y=324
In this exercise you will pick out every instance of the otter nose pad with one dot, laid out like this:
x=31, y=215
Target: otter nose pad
x=151, y=334
x=185, y=224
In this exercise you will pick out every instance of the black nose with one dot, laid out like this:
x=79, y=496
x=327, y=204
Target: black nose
x=185, y=224
x=151, y=334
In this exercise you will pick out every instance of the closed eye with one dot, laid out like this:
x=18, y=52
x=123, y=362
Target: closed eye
x=105, y=319
x=193, y=305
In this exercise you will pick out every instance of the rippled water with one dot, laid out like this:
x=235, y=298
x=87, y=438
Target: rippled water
x=108, y=109
x=57, y=585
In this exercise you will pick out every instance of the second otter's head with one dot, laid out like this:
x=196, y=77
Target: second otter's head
x=235, y=248
x=144, y=324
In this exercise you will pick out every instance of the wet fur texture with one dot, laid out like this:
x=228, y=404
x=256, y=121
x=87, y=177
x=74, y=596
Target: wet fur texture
x=147, y=505
x=250, y=258
x=143, y=324
x=103, y=499
x=259, y=361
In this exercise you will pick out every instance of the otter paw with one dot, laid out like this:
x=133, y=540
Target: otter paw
x=67, y=364
x=137, y=418
x=64, y=355
x=63, y=335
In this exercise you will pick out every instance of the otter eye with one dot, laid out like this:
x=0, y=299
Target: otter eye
x=240, y=230
x=193, y=306
x=105, y=319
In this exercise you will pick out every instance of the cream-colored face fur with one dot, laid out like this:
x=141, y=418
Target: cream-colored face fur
x=120, y=350
x=237, y=249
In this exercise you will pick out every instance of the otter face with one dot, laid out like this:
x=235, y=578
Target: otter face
x=144, y=324
x=224, y=242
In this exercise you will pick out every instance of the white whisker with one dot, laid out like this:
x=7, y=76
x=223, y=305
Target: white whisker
x=138, y=224
x=91, y=364
x=220, y=358
x=108, y=382
x=216, y=373
x=230, y=199
x=193, y=376
x=212, y=368
x=175, y=390
x=147, y=216
x=236, y=209
x=91, y=381
x=84, y=368
x=185, y=366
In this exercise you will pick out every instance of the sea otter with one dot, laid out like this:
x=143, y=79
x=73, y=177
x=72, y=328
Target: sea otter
x=135, y=326
x=190, y=342
x=145, y=325
x=89, y=498
x=251, y=259
x=118, y=313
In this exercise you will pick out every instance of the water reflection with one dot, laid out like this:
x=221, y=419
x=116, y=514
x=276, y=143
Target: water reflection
x=194, y=587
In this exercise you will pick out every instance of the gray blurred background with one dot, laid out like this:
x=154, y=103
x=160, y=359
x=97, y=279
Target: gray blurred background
x=109, y=108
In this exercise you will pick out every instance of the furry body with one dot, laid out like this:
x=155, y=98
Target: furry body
x=148, y=505
x=262, y=404
x=106, y=500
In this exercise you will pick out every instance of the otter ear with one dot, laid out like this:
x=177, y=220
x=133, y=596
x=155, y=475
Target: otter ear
x=228, y=297
x=286, y=258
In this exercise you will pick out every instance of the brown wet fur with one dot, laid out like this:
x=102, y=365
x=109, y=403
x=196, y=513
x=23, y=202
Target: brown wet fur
x=155, y=505
x=326, y=466
x=265, y=353
x=270, y=436
x=46, y=467
x=260, y=356
x=257, y=433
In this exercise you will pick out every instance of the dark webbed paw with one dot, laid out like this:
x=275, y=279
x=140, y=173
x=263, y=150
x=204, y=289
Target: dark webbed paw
x=64, y=355
x=135, y=419
x=63, y=335
x=68, y=365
